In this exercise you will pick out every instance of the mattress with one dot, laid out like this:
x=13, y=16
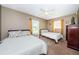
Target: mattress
x=55, y=36
x=24, y=45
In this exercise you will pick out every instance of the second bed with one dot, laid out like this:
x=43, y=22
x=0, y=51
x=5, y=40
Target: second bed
x=52, y=35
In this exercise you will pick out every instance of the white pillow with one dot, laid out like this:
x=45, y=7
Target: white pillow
x=44, y=31
x=24, y=33
x=13, y=34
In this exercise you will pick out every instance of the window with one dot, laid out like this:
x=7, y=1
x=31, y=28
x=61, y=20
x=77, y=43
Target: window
x=57, y=24
x=35, y=27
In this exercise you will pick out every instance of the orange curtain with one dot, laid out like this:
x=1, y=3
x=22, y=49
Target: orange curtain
x=53, y=29
x=30, y=24
x=62, y=23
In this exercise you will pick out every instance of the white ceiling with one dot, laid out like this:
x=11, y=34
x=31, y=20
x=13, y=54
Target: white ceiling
x=54, y=10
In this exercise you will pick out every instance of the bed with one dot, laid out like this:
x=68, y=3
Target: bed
x=23, y=45
x=52, y=35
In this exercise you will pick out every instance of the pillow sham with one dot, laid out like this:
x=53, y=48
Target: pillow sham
x=13, y=34
x=24, y=33
x=44, y=31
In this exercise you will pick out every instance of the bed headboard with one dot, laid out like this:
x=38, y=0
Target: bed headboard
x=41, y=30
x=19, y=30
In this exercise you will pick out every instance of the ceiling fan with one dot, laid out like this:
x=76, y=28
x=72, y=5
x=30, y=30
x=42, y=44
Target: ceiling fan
x=47, y=11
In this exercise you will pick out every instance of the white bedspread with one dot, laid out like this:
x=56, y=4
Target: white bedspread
x=55, y=36
x=26, y=45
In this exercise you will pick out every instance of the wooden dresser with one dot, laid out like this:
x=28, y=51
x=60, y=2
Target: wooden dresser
x=72, y=36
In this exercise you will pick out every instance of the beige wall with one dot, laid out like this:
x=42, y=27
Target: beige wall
x=42, y=22
x=67, y=21
x=49, y=25
x=12, y=20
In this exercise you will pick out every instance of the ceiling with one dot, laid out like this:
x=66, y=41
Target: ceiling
x=45, y=11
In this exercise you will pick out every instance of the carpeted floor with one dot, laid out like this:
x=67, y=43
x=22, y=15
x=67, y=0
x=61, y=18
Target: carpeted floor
x=60, y=48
